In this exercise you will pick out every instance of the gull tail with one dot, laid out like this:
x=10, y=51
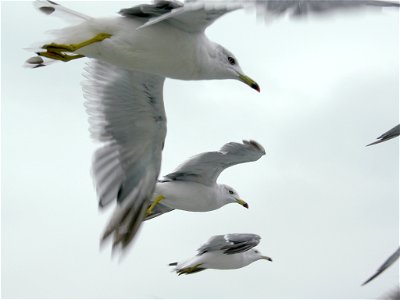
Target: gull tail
x=66, y=35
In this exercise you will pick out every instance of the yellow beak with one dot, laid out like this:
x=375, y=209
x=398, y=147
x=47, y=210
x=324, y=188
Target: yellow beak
x=250, y=82
x=242, y=203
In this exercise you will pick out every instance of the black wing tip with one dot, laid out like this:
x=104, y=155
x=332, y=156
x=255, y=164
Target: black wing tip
x=173, y=264
x=254, y=144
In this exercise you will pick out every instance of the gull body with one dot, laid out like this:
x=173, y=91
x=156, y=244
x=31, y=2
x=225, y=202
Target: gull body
x=161, y=49
x=202, y=198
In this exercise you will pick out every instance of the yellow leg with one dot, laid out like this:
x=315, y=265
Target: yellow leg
x=53, y=47
x=60, y=56
x=57, y=51
x=151, y=207
x=190, y=270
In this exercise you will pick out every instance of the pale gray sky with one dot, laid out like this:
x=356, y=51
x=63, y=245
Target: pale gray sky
x=326, y=207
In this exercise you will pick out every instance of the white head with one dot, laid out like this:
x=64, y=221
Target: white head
x=224, y=65
x=229, y=195
x=254, y=255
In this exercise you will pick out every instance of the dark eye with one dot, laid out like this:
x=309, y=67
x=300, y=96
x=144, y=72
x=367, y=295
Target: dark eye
x=231, y=192
x=255, y=251
x=231, y=60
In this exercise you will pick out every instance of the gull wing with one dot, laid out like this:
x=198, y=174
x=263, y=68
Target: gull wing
x=230, y=243
x=196, y=16
x=388, y=135
x=148, y=11
x=390, y=261
x=126, y=113
x=205, y=167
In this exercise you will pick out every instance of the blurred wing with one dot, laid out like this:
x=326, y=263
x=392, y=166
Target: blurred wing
x=126, y=113
x=196, y=16
x=388, y=135
x=390, y=261
x=148, y=11
x=303, y=8
x=230, y=243
x=205, y=167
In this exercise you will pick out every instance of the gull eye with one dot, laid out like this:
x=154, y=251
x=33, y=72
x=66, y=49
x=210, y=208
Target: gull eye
x=231, y=192
x=231, y=60
x=255, y=251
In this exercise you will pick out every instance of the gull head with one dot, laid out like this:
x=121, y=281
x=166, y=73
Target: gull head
x=254, y=255
x=229, y=195
x=226, y=66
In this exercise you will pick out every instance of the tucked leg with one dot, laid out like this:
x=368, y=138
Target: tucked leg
x=151, y=207
x=57, y=51
x=191, y=270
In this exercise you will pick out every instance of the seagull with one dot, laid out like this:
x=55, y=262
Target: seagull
x=388, y=135
x=223, y=252
x=193, y=187
x=388, y=262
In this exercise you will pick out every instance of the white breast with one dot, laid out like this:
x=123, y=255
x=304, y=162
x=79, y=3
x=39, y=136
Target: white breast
x=189, y=196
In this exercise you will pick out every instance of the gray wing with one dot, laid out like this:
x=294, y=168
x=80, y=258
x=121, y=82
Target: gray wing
x=385, y=265
x=388, y=135
x=148, y=11
x=230, y=243
x=126, y=113
x=196, y=16
x=205, y=167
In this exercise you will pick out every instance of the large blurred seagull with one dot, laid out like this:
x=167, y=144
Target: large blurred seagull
x=223, y=252
x=193, y=185
x=134, y=54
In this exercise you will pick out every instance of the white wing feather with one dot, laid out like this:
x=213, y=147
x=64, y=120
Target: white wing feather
x=126, y=113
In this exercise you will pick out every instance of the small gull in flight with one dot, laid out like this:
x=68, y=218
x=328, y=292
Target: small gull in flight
x=223, y=252
x=193, y=185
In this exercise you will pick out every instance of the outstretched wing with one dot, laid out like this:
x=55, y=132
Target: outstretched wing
x=230, y=243
x=388, y=135
x=392, y=258
x=205, y=167
x=126, y=113
x=196, y=16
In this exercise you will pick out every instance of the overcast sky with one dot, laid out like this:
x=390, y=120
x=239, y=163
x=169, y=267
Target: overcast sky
x=326, y=207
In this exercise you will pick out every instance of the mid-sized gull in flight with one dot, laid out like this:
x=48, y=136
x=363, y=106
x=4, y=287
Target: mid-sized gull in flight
x=135, y=52
x=388, y=135
x=223, y=252
x=388, y=262
x=193, y=185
